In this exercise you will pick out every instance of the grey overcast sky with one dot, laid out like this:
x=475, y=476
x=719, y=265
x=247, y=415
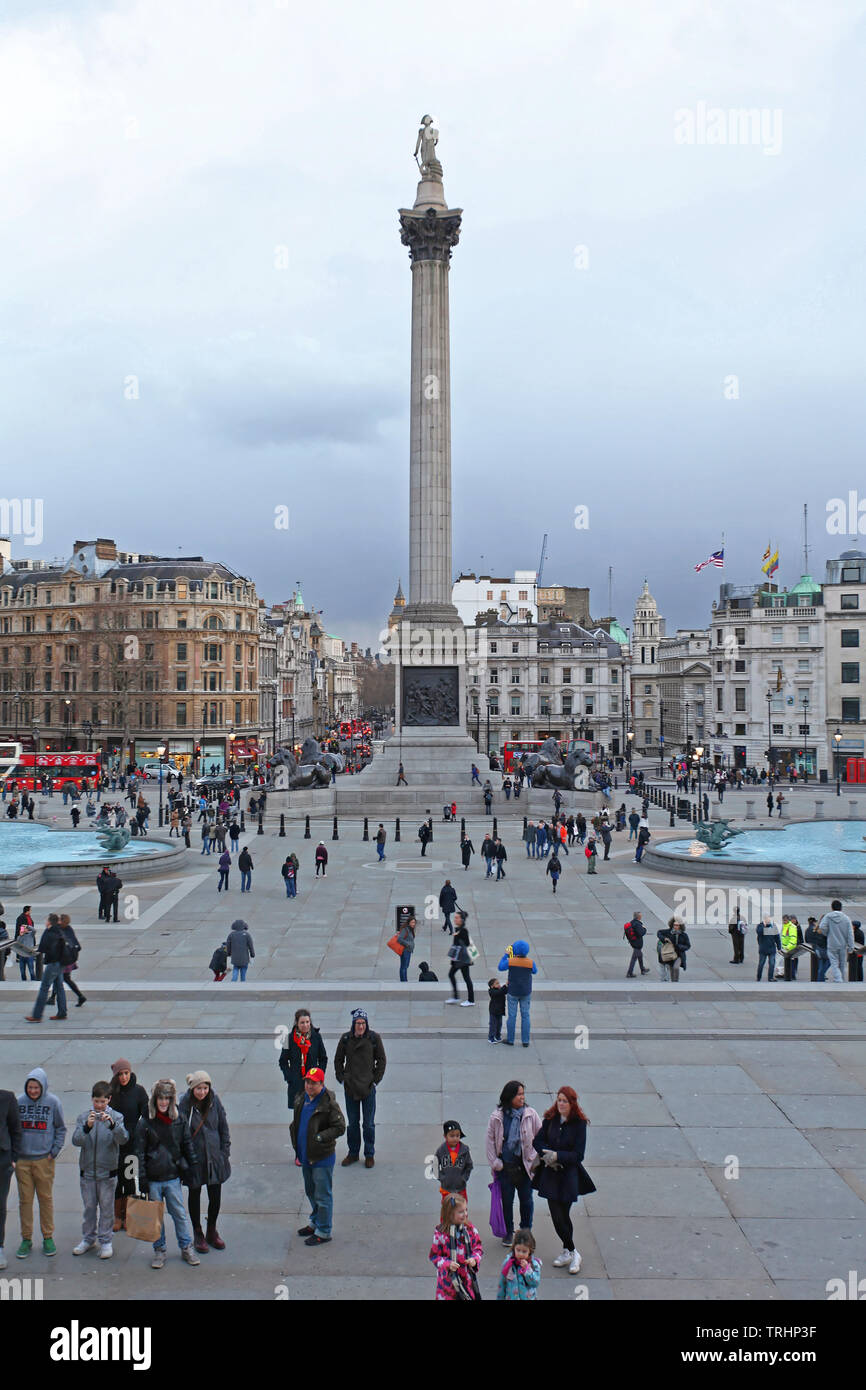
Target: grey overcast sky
x=202, y=195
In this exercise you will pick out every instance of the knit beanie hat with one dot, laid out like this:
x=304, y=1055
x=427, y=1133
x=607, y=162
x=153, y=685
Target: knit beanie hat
x=120, y=1065
x=359, y=1013
x=198, y=1078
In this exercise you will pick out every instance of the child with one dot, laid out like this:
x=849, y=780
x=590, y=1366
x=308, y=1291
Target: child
x=456, y=1252
x=42, y=1134
x=496, y=1010
x=455, y=1161
x=521, y=1273
x=426, y=975
x=99, y=1134
x=591, y=856
x=219, y=964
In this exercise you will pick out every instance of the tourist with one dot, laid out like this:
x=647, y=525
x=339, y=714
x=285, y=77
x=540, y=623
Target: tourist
x=234, y=835
x=461, y=959
x=425, y=835
x=840, y=939
x=239, y=947
x=219, y=963
x=454, y=1160
x=203, y=1111
x=246, y=866
x=634, y=933
x=224, y=863
x=510, y=1154
x=529, y=839
x=401, y=776
x=406, y=939
x=562, y=1179
x=10, y=1145
x=591, y=854
x=448, y=902
x=643, y=839
x=69, y=983
x=426, y=975
x=174, y=823
x=456, y=1252
x=25, y=938
x=289, y=876
x=488, y=798
x=673, y=942
x=737, y=933
x=855, y=959
x=161, y=1144
x=521, y=1273
x=779, y=801
x=129, y=1099
x=359, y=1066
x=488, y=853
x=321, y=859
x=57, y=948
x=820, y=961
x=501, y=858
x=43, y=1131
x=554, y=868
x=317, y=1124
x=768, y=944
x=467, y=849
x=475, y=776
x=521, y=969
x=580, y=827
x=769, y=803
x=100, y=1134
x=102, y=889
x=186, y=827
x=791, y=938
x=498, y=993
x=304, y=1050
x=381, y=837
x=206, y=844
x=606, y=839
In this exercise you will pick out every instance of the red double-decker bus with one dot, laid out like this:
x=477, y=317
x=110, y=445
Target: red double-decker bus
x=66, y=769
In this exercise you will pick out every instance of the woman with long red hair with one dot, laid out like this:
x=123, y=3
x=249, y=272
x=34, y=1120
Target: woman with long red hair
x=561, y=1177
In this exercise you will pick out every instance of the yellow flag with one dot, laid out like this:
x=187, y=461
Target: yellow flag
x=772, y=564
x=767, y=551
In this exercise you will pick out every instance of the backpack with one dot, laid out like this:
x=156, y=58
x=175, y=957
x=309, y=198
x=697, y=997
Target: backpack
x=631, y=936
x=68, y=951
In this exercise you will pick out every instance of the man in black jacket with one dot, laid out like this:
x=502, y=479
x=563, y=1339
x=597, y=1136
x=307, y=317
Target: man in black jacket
x=59, y=946
x=359, y=1066
x=448, y=902
x=10, y=1144
x=163, y=1149
x=634, y=933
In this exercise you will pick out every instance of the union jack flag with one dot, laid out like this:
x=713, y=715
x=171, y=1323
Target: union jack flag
x=717, y=558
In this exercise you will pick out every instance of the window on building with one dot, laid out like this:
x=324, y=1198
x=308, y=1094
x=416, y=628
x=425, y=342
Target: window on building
x=849, y=600
x=238, y=680
x=739, y=697
x=850, y=637
x=70, y=680
x=70, y=653
x=776, y=634
x=614, y=704
x=515, y=675
x=46, y=712
x=181, y=651
x=493, y=648
x=180, y=715
x=740, y=634
x=150, y=618
x=489, y=593
x=515, y=704
x=589, y=675
x=647, y=690
x=739, y=666
x=523, y=594
x=47, y=680
x=850, y=711
x=720, y=696
x=851, y=574
x=213, y=651
x=566, y=675
x=566, y=704
x=739, y=730
x=544, y=677
x=802, y=634
x=589, y=705
x=720, y=636
x=148, y=651
x=181, y=680
x=72, y=593
x=803, y=663
x=850, y=672
x=493, y=704
x=49, y=623
x=515, y=648
x=614, y=676
x=181, y=620
x=150, y=681
x=494, y=677
x=94, y=680
x=544, y=704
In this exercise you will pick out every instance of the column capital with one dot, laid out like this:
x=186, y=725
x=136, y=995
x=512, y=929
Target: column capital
x=430, y=235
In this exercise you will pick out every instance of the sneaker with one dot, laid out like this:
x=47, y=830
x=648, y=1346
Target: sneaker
x=158, y=1260
x=24, y=1249
x=48, y=1246
x=493, y=1041
x=574, y=1267
x=190, y=1256
x=507, y=1241
x=562, y=1260
x=467, y=1003
x=306, y=1231
x=317, y=1240
x=106, y=1251
x=452, y=1001
x=83, y=1246
x=524, y=1044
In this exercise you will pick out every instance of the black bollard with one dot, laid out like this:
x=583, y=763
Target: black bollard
x=282, y=826
x=462, y=827
x=366, y=834
x=397, y=829
x=307, y=829
x=261, y=829
x=525, y=823
x=494, y=828
x=673, y=822
x=336, y=833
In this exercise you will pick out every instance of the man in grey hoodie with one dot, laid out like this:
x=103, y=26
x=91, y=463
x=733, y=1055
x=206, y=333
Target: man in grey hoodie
x=42, y=1134
x=99, y=1133
x=840, y=939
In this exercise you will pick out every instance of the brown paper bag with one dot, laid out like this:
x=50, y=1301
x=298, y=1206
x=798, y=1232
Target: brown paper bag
x=144, y=1218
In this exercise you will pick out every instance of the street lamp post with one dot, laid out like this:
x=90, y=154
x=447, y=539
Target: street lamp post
x=661, y=737
x=160, y=750
x=87, y=730
x=67, y=703
x=16, y=700
x=837, y=739
x=698, y=758
x=629, y=737
x=805, y=768
x=232, y=737
x=688, y=735
x=769, y=740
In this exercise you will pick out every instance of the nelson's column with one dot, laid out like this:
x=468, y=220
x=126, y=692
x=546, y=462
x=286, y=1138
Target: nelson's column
x=430, y=695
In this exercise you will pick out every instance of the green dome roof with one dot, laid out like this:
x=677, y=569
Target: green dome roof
x=617, y=633
x=806, y=585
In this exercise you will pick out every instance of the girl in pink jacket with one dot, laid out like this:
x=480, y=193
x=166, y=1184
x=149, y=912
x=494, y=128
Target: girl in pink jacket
x=456, y=1252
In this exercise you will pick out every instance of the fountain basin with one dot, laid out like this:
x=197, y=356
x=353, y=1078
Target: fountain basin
x=32, y=854
x=821, y=857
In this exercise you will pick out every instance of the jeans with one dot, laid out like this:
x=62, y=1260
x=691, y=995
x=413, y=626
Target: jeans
x=823, y=966
x=770, y=957
x=205, y=846
x=489, y=863
x=530, y=845
x=318, y=1185
x=404, y=965
x=555, y=878
x=246, y=880
x=512, y=1001
x=380, y=850
x=97, y=1196
x=52, y=977
x=836, y=960
x=523, y=1189
x=353, y=1131
x=632, y=834
x=23, y=966
x=638, y=854
x=500, y=872
x=669, y=971
x=223, y=881
x=291, y=890
x=239, y=970
x=170, y=1192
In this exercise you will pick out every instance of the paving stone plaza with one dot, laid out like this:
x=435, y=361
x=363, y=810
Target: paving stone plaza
x=727, y=1118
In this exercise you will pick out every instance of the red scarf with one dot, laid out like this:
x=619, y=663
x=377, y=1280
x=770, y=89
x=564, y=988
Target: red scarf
x=303, y=1045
